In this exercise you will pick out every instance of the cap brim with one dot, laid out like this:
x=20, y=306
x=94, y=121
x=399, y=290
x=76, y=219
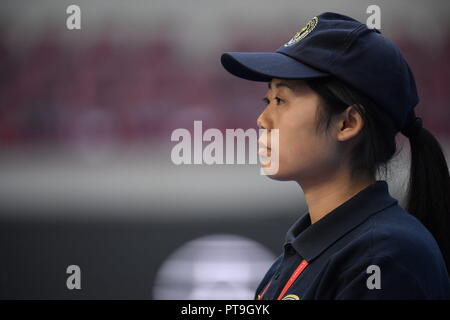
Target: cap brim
x=264, y=66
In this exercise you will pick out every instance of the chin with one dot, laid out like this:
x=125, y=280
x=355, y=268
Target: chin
x=278, y=175
x=280, y=178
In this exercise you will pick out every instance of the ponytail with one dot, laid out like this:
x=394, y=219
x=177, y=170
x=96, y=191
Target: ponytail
x=428, y=197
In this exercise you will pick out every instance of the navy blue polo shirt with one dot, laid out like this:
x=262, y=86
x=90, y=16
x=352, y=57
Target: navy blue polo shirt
x=366, y=248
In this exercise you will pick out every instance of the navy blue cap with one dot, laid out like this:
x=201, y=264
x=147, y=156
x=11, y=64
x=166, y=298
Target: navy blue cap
x=335, y=45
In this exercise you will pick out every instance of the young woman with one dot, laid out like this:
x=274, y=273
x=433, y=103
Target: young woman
x=338, y=94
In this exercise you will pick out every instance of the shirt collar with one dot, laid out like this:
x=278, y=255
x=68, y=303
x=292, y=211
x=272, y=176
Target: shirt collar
x=310, y=240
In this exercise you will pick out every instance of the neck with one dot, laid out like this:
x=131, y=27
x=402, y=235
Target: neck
x=324, y=196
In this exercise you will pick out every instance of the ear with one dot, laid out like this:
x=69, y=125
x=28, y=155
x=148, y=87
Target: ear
x=350, y=123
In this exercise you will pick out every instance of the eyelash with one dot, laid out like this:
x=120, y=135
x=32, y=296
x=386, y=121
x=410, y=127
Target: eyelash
x=267, y=101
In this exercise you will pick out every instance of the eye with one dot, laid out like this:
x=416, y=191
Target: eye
x=279, y=100
x=267, y=101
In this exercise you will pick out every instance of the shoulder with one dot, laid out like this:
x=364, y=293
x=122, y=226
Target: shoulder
x=397, y=245
x=397, y=234
x=394, y=233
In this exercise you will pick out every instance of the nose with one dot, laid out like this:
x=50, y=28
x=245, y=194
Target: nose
x=261, y=122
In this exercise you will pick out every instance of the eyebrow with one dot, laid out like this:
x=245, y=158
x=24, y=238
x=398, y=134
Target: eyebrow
x=282, y=84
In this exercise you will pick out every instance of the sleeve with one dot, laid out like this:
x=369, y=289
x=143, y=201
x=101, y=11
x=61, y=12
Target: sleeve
x=379, y=278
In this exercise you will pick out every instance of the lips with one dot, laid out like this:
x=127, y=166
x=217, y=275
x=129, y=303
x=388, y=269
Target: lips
x=263, y=151
x=264, y=155
x=263, y=148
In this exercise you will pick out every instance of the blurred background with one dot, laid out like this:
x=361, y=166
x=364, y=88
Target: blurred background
x=85, y=122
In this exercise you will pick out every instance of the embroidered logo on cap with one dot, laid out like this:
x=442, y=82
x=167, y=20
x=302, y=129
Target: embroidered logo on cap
x=303, y=32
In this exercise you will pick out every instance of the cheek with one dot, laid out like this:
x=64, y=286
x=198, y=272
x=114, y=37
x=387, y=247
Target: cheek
x=301, y=147
x=303, y=150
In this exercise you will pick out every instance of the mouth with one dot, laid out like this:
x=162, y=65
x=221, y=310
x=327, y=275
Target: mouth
x=264, y=155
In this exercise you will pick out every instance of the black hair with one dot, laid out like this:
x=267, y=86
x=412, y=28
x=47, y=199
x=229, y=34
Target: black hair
x=428, y=195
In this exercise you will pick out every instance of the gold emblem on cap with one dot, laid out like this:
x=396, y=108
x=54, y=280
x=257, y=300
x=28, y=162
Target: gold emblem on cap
x=303, y=32
x=291, y=297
